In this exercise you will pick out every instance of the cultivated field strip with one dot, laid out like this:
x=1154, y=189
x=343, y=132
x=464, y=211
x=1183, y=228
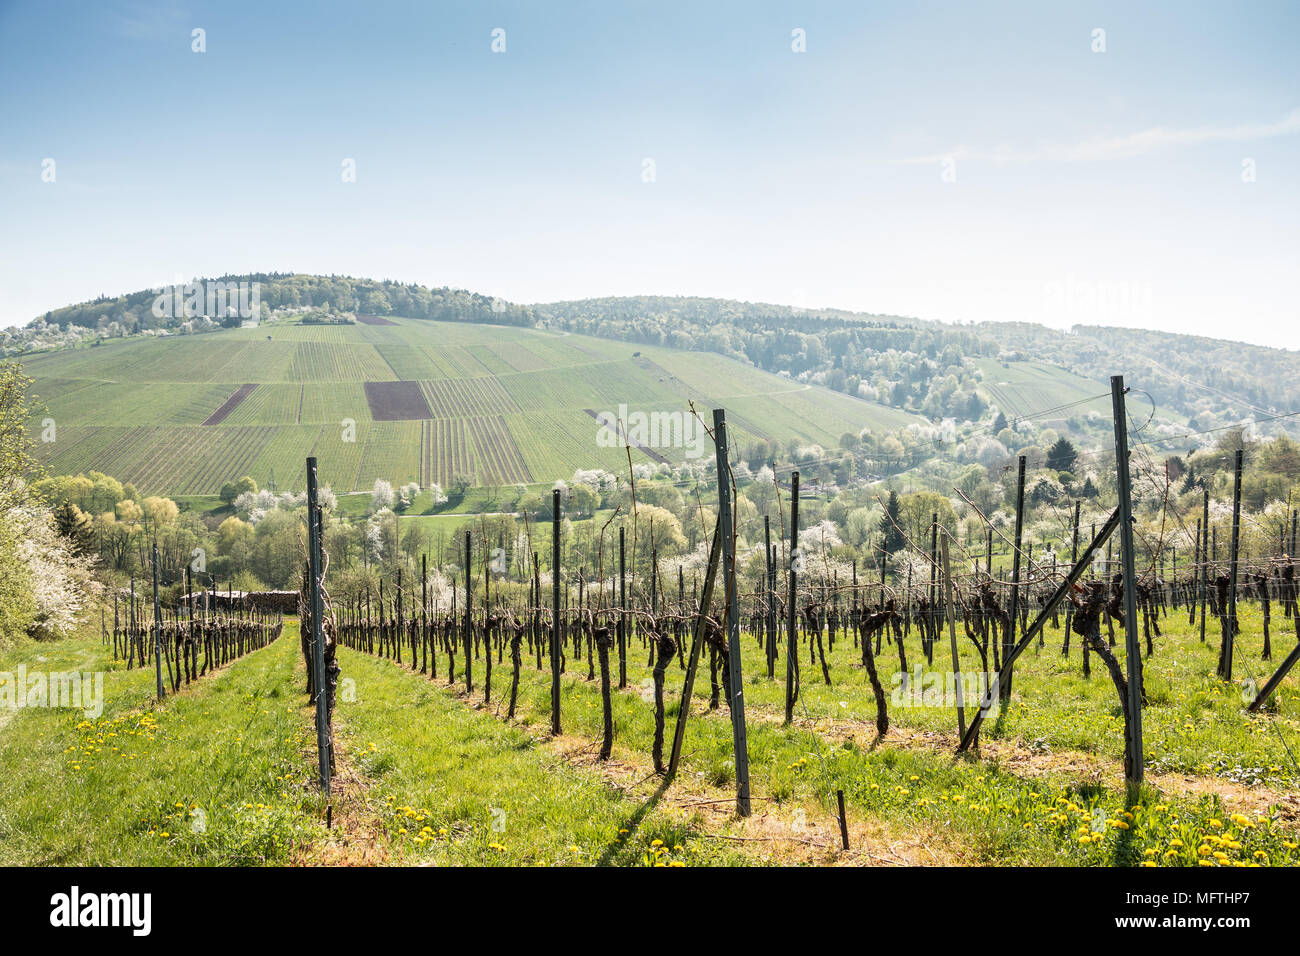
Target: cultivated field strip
x=465, y=362
x=78, y=448
x=114, y=403
x=230, y=404
x=258, y=360
x=625, y=437
x=267, y=405
x=548, y=440
x=519, y=357
x=1028, y=388
x=330, y=404
x=62, y=389
x=391, y=449
x=448, y=450
x=467, y=397
x=489, y=359
x=324, y=362
x=496, y=454
x=604, y=386
x=406, y=361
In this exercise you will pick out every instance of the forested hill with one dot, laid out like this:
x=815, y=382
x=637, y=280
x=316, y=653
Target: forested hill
x=911, y=364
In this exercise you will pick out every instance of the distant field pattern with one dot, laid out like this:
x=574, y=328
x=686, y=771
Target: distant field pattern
x=403, y=400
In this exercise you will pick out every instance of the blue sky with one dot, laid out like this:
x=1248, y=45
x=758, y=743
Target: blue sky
x=1101, y=187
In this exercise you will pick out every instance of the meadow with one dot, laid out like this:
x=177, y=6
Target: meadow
x=509, y=405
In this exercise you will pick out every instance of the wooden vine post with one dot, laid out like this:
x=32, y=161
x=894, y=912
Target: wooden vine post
x=1205, y=556
x=317, y=628
x=555, y=614
x=469, y=618
x=1013, y=617
x=1230, y=628
x=701, y=623
x=770, y=609
x=952, y=637
x=1074, y=558
x=157, y=628
x=792, y=620
x=622, y=607
x=1129, y=575
x=737, y=688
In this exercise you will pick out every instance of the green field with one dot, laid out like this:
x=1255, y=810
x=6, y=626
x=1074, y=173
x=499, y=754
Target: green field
x=506, y=405
x=1028, y=388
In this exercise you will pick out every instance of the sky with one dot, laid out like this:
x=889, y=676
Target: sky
x=1122, y=163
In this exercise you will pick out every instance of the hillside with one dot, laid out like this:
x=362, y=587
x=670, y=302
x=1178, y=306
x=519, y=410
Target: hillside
x=905, y=362
x=500, y=393
x=431, y=400
x=913, y=365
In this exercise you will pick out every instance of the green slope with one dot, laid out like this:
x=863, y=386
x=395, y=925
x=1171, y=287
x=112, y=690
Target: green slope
x=1022, y=389
x=505, y=404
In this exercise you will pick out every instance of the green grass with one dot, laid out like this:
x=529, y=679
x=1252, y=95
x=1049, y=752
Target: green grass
x=508, y=404
x=215, y=775
x=454, y=786
x=221, y=773
x=989, y=811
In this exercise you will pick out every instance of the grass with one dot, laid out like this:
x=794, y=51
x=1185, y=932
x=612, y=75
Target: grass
x=1051, y=789
x=221, y=773
x=509, y=404
x=215, y=775
x=448, y=785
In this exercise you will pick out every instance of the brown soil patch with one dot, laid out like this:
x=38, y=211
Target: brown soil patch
x=357, y=836
x=397, y=401
x=230, y=404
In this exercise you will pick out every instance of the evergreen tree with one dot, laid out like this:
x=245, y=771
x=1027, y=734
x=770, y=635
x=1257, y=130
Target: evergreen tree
x=75, y=525
x=889, y=525
x=1062, y=455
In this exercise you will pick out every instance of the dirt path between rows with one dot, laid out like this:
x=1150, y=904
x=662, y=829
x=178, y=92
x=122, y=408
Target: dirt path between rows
x=356, y=836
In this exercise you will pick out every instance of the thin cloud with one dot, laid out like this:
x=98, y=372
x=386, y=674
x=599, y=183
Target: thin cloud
x=1120, y=147
x=145, y=21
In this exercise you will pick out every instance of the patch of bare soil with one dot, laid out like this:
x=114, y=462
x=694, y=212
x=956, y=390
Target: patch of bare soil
x=396, y=401
x=230, y=404
x=356, y=836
